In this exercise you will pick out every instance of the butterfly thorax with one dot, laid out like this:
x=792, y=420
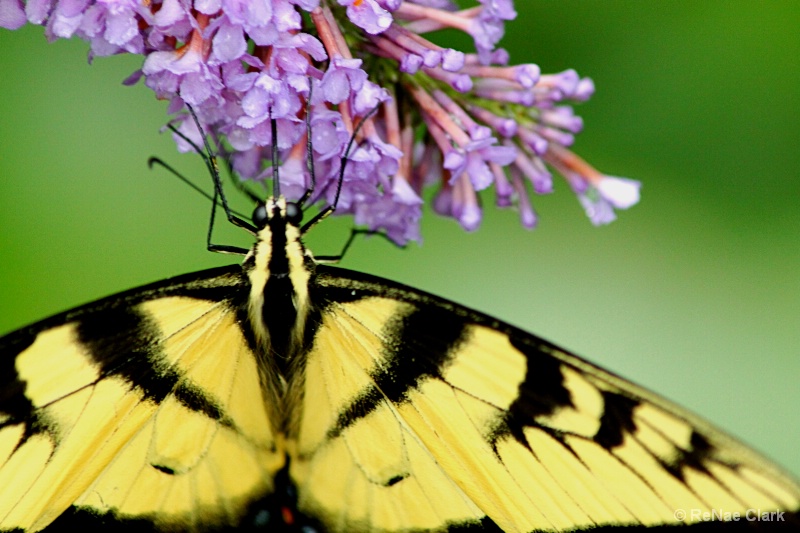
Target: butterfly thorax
x=279, y=270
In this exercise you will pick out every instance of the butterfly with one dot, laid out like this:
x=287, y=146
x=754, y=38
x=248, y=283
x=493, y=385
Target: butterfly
x=285, y=393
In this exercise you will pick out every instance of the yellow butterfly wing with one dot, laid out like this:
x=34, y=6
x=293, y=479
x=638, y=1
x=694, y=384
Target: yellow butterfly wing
x=419, y=414
x=146, y=406
x=399, y=412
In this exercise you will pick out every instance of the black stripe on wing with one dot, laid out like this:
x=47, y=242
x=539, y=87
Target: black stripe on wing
x=107, y=337
x=440, y=331
x=421, y=342
x=107, y=328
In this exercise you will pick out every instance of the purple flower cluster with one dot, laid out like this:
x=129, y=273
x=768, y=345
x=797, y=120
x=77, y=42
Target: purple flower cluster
x=428, y=115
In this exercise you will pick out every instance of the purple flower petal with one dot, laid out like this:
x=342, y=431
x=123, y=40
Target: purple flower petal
x=328, y=134
x=368, y=98
x=229, y=43
x=452, y=60
x=12, y=14
x=343, y=77
x=121, y=28
x=171, y=13
x=208, y=7
x=397, y=212
x=599, y=211
x=367, y=15
x=38, y=10
x=64, y=27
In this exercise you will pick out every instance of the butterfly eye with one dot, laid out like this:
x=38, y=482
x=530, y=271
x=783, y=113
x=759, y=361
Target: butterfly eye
x=260, y=216
x=294, y=215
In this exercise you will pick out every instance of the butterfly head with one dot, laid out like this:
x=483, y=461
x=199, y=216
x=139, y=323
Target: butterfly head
x=277, y=210
x=278, y=249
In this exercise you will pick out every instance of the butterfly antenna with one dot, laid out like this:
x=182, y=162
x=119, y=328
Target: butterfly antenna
x=163, y=164
x=212, y=165
x=309, y=147
x=236, y=183
x=343, y=164
x=219, y=193
x=309, y=161
x=276, y=183
x=166, y=166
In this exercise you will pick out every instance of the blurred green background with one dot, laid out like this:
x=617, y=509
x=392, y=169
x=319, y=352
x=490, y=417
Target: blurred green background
x=694, y=293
